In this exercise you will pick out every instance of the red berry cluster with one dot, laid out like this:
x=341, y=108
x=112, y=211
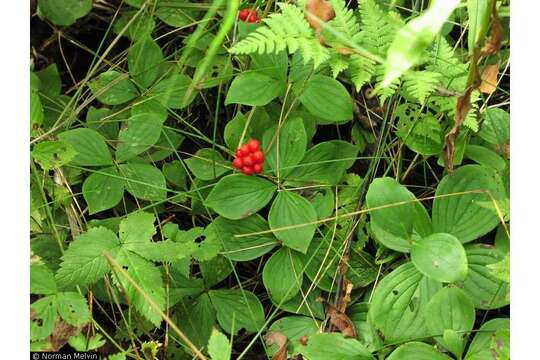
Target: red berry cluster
x=249, y=15
x=249, y=158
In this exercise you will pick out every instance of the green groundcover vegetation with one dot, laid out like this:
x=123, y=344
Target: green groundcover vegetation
x=309, y=179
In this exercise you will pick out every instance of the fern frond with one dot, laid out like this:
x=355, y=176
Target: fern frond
x=338, y=63
x=384, y=92
x=287, y=29
x=344, y=25
x=378, y=27
x=421, y=84
x=361, y=70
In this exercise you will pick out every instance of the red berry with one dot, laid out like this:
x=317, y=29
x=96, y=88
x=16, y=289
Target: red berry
x=254, y=145
x=257, y=168
x=248, y=170
x=238, y=163
x=240, y=153
x=246, y=160
x=257, y=157
x=243, y=14
x=253, y=18
x=245, y=149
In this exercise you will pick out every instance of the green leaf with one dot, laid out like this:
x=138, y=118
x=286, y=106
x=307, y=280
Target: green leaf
x=113, y=88
x=90, y=146
x=254, y=89
x=450, y=309
x=207, y=164
x=216, y=270
x=440, y=257
x=325, y=163
x=174, y=14
x=244, y=248
x=41, y=280
x=417, y=351
x=239, y=196
x=485, y=290
x=496, y=126
x=287, y=149
x=196, y=320
x=166, y=145
x=237, y=309
x=397, y=218
x=72, y=307
x=175, y=173
x=53, y=154
x=481, y=348
x=324, y=346
x=137, y=227
x=43, y=317
x=144, y=181
x=274, y=65
x=398, y=306
x=358, y=313
x=170, y=92
x=141, y=132
x=140, y=28
x=469, y=213
x=294, y=327
x=479, y=15
x=283, y=275
x=414, y=38
x=219, y=347
x=422, y=135
x=50, y=80
x=80, y=343
x=485, y=156
x=501, y=269
x=64, y=12
x=144, y=58
x=148, y=277
x=36, y=111
x=328, y=99
x=103, y=120
x=166, y=250
x=83, y=262
x=292, y=210
x=103, y=190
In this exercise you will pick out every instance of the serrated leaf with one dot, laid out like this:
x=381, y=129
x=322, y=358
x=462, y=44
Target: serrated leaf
x=90, y=146
x=41, y=280
x=440, y=257
x=237, y=309
x=283, y=275
x=148, y=277
x=219, y=347
x=72, y=307
x=83, y=262
x=113, y=88
x=137, y=227
x=292, y=210
x=43, y=315
x=496, y=126
x=239, y=196
x=103, y=190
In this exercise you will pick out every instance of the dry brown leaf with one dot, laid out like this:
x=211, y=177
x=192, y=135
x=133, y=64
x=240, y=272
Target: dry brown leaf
x=489, y=79
x=61, y=334
x=275, y=337
x=341, y=321
x=318, y=12
x=493, y=42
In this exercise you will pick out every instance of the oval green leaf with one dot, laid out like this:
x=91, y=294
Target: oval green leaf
x=327, y=99
x=103, y=190
x=254, y=89
x=90, y=146
x=283, y=275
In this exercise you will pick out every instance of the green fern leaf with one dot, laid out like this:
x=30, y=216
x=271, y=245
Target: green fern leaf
x=421, y=84
x=341, y=30
x=361, y=70
x=378, y=27
x=338, y=63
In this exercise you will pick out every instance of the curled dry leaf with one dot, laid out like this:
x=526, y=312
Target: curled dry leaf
x=341, y=321
x=275, y=337
x=489, y=79
x=494, y=40
x=61, y=334
x=318, y=12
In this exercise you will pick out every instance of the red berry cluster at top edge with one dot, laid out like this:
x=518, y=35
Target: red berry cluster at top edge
x=249, y=158
x=249, y=15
